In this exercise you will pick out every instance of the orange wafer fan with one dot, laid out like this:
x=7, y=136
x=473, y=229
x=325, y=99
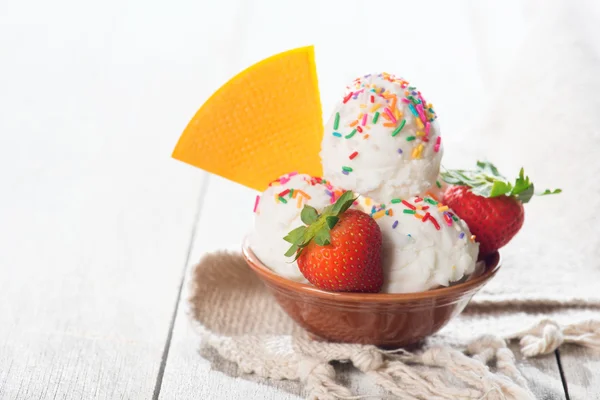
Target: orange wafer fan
x=264, y=122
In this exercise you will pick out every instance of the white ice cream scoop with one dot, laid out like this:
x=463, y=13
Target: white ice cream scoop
x=425, y=245
x=277, y=212
x=382, y=140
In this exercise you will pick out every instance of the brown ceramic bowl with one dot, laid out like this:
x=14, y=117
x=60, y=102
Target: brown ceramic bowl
x=382, y=319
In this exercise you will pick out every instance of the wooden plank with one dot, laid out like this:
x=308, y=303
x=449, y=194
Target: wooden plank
x=542, y=374
x=191, y=374
x=95, y=217
x=581, y=369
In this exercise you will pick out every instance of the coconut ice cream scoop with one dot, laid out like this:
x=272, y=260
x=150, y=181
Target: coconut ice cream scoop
x=425, y=245
x=382, y=140
x=277, y=212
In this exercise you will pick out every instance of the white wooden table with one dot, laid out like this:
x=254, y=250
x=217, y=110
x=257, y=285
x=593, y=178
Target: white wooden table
x=99, y=226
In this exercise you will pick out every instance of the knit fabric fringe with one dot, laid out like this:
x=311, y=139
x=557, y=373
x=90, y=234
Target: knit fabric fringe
x=303, y=359
x=237, y=317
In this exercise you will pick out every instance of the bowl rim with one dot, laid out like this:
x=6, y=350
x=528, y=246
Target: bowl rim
x=493, y=264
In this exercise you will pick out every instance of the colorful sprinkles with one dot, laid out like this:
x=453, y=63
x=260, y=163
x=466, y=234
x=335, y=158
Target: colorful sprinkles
x=377, y=102
x=301, y=196
x=379, y=210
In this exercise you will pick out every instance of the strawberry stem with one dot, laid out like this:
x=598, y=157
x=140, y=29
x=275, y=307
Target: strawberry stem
x=318, y=226
x=487, y=181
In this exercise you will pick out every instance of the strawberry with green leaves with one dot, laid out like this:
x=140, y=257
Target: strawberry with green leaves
x=338, y=250
x=491, y=206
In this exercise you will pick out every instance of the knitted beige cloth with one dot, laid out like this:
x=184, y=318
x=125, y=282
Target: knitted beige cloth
x=544, y=115
x=239, y=318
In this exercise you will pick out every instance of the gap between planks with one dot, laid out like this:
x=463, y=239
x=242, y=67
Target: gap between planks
x=165, y=355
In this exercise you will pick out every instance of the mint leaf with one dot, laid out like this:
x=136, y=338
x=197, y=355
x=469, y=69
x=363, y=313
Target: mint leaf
x=488, y=168
x=487, y=181
x=449, y=178
x=482, y=190
x=323, y=238
x=526, y=194
x=499, y=188
x=291, y=251
x=295, y=235
x=309, y=215
x=522, y=183
x=343, y=203
x=548, y=191
x=470, y=178
x=331, y=221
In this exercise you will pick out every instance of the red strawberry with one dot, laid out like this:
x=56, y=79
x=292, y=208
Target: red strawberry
x=494, y=221
x=491, y=206
x=340, y=249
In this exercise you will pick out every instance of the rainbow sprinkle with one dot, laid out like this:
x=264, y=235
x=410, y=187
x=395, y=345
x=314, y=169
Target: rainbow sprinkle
x=353, y=155
x=337, y=134
x=412, y=110
x=399, y=128
x=376, y=117
x=348, y=136
x=256, y=201
x=395, y=224
x=336, y=123
x=379, y=214
x=407, y=204
x=447, y=219
x=389, y=114
x=434, y=222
